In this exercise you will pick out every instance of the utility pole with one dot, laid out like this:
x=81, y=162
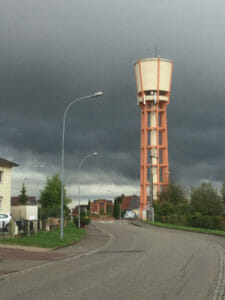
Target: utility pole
x=151, y=214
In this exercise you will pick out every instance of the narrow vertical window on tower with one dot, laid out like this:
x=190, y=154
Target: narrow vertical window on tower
x=153, y=78
x=159, y=120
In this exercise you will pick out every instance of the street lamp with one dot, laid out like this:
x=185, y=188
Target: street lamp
x=81, y=162
x=62, y=166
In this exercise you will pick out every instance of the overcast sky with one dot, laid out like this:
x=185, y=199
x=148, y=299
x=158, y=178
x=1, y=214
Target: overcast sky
x=54, y=51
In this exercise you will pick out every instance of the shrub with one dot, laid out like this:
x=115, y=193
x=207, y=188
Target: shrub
x=197, y=220
x=174, y=219
x=84, y=219
x=173, y=194
x=205, y=199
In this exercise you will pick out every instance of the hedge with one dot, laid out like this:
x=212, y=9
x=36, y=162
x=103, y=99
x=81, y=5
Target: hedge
x=195, y=220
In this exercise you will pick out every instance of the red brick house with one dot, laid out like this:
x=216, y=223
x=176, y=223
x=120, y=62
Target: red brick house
x=126, y=201
x=131, y=203
x=101, y=206
x=75, y=211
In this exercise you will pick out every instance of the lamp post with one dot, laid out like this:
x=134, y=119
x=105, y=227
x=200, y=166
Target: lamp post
x=80, y=164
x=62, y=166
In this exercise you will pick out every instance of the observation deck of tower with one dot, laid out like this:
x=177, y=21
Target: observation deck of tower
x=153, y=80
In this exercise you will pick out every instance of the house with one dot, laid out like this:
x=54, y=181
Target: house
x=131, y=203
x=101, y=206
x=5, y=184
x=28, y=211
x=75, y=211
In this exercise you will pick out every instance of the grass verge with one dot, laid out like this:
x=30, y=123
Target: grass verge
x=187, y=228
x=49, y=239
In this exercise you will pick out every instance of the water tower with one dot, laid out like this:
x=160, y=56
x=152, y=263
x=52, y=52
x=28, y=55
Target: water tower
x=153, y=79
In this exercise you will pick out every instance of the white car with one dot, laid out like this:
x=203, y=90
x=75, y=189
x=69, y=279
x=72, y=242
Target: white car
x=4, y=219
x=129, y=215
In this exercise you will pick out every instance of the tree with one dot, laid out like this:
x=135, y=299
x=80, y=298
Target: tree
x=173, y=194
x=205, y=199
x=116, y=207
x=89, y=205
x=223, y=192
x=23, y=198
x=51, y=194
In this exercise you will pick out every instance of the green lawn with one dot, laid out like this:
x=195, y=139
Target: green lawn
x=187, y=228
x=50, y=239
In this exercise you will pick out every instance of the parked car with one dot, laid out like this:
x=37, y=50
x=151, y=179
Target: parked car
x=4, y=219
x=129, y=215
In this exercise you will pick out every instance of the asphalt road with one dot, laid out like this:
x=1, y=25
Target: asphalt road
x=139, y=263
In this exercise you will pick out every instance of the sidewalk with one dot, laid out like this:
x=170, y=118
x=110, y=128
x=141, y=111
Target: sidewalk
x=17, y=258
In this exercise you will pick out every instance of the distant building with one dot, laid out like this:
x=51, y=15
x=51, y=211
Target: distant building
x=131, y=203
x=5, y=184
x=75, y=211
x=102, y=206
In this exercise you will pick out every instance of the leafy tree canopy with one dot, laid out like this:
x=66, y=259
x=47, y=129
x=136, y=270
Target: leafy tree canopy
x=173, y=194
x=23, y=198
x=116, y=207
x=89, y=205
x=51, y=194
x=205, y=199
x=223, y=192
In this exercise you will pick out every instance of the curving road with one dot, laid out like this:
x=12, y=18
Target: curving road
x=138, y=263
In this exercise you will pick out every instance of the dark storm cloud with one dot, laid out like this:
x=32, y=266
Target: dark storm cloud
x=52, y=52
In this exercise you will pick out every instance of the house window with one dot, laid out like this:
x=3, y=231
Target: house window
x=0, y=202
x=1, y=176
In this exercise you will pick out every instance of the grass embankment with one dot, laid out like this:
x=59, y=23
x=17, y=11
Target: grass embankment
x=187, y=228
x=49, y=239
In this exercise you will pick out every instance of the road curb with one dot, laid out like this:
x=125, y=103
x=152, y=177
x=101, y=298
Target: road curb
x=88, y=253
x=219, y=290
x=135, y=224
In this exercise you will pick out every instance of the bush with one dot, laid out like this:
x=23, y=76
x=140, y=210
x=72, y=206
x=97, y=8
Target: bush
x=166, y=209
x=84, y=220
x=173, y=194
x=205, y=199
x=174, y=219
x=50, y=212
x=196, y=220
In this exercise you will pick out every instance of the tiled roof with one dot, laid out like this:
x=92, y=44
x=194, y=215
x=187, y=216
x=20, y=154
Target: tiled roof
x=134, y=202
x=130, y=202
x=31, y=201
x=99, y=200
x=7, y=163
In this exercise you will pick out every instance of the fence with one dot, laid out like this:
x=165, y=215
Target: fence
x=4, y=227
x=25, y=227
x=48, y=219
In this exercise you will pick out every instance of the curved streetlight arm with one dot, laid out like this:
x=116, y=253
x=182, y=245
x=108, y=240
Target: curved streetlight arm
x=62, y=165
x=70, y=104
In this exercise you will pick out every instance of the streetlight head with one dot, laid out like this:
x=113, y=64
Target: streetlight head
x=96, y=153
x=100, y=93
